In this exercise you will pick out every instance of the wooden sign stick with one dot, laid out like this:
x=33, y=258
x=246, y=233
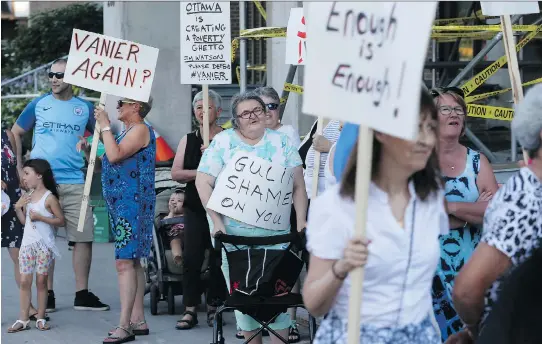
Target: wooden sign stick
x=90, y=168
x=363, y=180
x=513, y=67
x=205, y=89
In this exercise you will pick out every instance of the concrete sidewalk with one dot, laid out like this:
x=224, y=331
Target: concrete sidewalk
x=82, y=327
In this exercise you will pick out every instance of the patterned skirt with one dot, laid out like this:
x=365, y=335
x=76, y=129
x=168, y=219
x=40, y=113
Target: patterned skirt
x=334, y=330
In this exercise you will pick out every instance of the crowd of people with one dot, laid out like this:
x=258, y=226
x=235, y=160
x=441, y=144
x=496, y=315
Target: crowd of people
x=447, y=252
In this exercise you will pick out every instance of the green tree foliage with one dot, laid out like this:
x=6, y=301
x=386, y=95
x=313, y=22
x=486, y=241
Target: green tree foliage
x=48, y=36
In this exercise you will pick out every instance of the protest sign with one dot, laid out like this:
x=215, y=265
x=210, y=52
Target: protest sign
x=365, y=67
x=495, y=8
x=296, y=38
x=111, y=65
x=254, y=191
x=205, y=43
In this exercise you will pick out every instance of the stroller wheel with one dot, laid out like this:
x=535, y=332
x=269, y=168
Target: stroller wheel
x=155, y=294
x=170, y=299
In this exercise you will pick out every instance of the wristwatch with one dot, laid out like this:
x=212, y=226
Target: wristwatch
x=105, y=129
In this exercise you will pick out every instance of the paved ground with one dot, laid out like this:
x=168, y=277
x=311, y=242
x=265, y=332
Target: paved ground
x=81, y=327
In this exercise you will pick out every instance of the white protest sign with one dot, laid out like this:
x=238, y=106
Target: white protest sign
x=111, y=65
x=254, y=191
x=205, y=43
x=366, y=66
x=296, y=38
x=494, y=8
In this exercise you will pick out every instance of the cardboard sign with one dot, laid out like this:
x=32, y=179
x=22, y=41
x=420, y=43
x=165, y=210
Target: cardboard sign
x=366, y=65
x=111, y=65
x=205, y=43
x=254, y=191
x=296, y=38
x=494, y=8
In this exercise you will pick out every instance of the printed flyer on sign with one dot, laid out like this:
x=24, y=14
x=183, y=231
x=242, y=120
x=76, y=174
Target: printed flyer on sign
x=247, y=190
x=205, y=43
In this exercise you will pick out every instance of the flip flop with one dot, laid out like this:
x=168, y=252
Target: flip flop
x=43, y=326
x=23, y=328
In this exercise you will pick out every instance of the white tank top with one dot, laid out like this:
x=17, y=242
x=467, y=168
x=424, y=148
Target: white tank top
x=38, y=234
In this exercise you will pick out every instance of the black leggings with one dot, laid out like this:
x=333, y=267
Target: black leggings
x=197, y=238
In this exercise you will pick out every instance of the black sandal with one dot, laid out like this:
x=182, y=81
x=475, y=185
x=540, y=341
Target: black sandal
x=118, y=340
x=239, y=335
x=190, y=323
x=293, y=336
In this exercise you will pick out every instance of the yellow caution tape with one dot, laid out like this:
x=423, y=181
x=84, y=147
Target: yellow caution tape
x=283, y=100
x=263, y=32
x=238, y=73
x=258, y=68
x=293, y=88
x=234, y=47
x=227, y=125
x=261, y=9
x=490, y=112
x=483, y=28
x=494, y=93
x=478, y=15
x=482, y=77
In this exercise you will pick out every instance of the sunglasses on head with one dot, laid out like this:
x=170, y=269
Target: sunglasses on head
x=437, y=92
x=120, y=103
x=272, y=106
x=57, y=75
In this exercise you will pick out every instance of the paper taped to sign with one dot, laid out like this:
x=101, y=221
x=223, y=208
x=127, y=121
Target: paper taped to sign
x=254, y=191
x=296, y=38
x=496, y=8
x=206, y=43
x=111, y=65
x=365, y=68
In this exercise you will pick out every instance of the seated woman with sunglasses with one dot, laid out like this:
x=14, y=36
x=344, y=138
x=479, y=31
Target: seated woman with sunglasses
x=469, y=185
x=250, y=135
x=272, y=120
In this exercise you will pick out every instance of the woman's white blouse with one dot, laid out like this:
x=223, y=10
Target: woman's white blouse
x=292, y=134
x=330, y=179
x=391, y=296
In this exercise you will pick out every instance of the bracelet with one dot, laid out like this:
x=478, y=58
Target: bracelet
x=105, y=129
x=341, y=278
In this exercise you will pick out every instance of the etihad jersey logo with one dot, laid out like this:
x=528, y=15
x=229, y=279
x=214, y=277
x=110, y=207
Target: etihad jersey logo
x=78, y=110
x=62, y=127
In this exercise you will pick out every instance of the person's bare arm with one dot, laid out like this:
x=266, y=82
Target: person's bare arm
x=320, y=287
x=13, y=143
x=137, y=138
x=487, y=187
x=20, y=208
x=205, y=184
x=18, y=133
x=53, y=206
x=483, y=268
x=178, y=173
x=300, y=198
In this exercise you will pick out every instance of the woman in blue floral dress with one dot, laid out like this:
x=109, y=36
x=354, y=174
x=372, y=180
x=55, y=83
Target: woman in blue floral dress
x=128, y=187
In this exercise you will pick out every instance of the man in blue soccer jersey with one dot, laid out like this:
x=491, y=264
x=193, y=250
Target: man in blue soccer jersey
x=58, y=119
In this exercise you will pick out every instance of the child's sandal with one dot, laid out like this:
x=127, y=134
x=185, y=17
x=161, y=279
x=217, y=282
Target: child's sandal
x=24, y=326
x=41, y=324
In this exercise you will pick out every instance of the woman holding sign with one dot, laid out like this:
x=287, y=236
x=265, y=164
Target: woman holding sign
x=250, y=137
x=128, y=186
x=406, y=215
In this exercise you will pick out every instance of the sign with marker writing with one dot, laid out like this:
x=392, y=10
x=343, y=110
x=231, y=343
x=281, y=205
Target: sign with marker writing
x=366, y=65
x=205, y=43
x=494, y=8
x=296, y=38
x=254, y=191
x=111, y=65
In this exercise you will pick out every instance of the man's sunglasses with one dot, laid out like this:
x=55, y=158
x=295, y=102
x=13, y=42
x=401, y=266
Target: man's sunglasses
x=120, y=103
x=437, y=92
x=272, y=106
x=57, y=75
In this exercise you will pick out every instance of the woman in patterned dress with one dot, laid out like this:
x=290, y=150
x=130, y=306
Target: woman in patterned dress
x=469, y=185
x=128, y=185
x=250, y=135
